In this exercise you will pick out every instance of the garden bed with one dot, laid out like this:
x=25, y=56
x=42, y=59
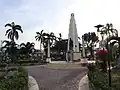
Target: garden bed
x=99, y=80
x=15, y=80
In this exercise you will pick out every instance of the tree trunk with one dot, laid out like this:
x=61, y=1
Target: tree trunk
x=91, y=50
x=40, y=44
x=48, y=54
x=13, y=38
x=83, y=48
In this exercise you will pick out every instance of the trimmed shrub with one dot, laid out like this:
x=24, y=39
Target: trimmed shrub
x=27, y=61
x=15, y=80
x=98, y=79
x=3, y=65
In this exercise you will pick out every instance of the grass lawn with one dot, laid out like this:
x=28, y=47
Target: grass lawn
x=63, y=66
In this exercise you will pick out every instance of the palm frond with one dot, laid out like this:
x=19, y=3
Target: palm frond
x=36, y=36
x=7, y=31
x=41, y=32
x=17, y=26
x=16, y=35
x=19, y=29
x=8, y=25
x=32, y=43
x=22, y=44
x=51, y=34
x=11, y=35
x=8, y=35
x=5, y=41
x=60, y=34
x=44, y=34
x=38, y=33
x=37, y=39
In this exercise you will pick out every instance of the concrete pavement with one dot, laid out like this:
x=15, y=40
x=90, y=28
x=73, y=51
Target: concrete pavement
x=57, y=79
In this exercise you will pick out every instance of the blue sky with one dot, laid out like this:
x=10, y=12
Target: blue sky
x=54, y=16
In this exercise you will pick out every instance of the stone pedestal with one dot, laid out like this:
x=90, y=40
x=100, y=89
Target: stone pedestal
x=48, y=60
x=76, y=56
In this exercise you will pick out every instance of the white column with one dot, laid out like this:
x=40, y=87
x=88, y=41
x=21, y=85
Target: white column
x=83, y=47
x=68, y=47
x=48, y=49
x=48, y=54
x=40, y=45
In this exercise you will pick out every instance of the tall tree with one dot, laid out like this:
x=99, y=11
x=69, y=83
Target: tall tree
x=10, y=50
x=39, y=37
x=26, y=49
x=48, y=40
x=12, y=33
x=91, y=39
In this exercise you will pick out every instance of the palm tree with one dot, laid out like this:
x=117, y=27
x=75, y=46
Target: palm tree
x=11, y=50
x=39, y=37
x=94, y=40
x=26, y=49
x=90, y=38
x=48, y=40
x=12, y=32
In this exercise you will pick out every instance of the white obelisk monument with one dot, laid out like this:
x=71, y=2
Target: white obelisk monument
x=73, y=35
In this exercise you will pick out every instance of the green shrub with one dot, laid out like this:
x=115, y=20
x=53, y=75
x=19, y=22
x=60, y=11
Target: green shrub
x=27, y=61
x=99, y=80
x=3, y=65
x=15, y=80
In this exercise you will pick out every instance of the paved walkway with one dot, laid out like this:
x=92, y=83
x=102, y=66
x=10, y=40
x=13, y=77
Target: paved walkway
x=57, y=79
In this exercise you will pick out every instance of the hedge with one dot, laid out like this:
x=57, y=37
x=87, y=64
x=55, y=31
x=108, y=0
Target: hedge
x=15, y=80
x=99, y=80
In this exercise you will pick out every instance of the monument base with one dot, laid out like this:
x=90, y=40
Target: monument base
x=76, y=56
x=48, y=60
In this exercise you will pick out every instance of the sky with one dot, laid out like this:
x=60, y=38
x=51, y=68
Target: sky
x=54, y=16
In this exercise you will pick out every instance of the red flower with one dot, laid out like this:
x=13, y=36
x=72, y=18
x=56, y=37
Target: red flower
x=102, y=54
x=102, y=51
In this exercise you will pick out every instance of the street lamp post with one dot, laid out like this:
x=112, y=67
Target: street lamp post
x=98, y=27
x=102, y=31
x=109, y=26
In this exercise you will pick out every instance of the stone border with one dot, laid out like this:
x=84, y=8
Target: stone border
x=84, y=83
x=32, y=83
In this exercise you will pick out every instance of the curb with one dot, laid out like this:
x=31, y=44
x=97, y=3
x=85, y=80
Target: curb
x=84, y=83
x=32, y=84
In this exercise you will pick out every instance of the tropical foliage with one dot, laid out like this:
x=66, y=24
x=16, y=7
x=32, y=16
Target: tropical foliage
x=10, y=49
x=39, y=37
x=26, y=50
x=91, y=40
x=12, y=33
x=48, y=41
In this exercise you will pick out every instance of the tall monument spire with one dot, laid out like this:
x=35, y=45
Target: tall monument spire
x=73, y=34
